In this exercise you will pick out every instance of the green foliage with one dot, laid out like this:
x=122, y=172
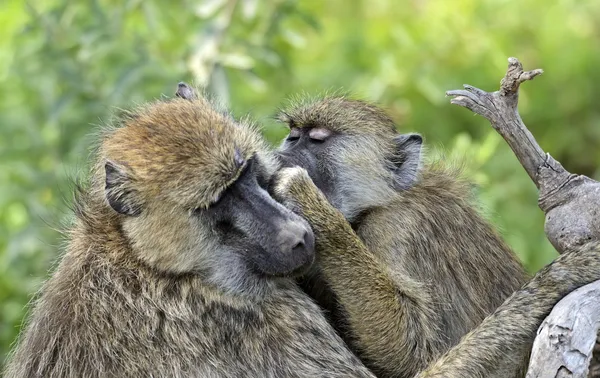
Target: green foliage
x=65, y=65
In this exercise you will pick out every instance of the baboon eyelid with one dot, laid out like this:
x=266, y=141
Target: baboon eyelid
x=238, y=158
x=319, y=133
x=295, y=132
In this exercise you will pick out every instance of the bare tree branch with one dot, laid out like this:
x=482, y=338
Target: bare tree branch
x=500, y=108
x=571, y=202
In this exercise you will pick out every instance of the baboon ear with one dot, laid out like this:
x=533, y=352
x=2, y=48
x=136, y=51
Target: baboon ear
x=119, y=194
x=185, y=92
x=406, y=160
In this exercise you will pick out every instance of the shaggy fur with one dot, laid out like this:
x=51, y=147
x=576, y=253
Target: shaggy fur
x=377, y=308
x=147, y=289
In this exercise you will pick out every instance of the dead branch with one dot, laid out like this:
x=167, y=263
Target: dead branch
x=500, y=108
x=570, y=201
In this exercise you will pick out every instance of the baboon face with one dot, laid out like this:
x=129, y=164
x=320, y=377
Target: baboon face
x=351, y=151
x=244, y=215
x=189, y=185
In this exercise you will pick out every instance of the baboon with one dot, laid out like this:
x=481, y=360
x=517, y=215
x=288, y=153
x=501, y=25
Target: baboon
x=499, y=347
x=420, y=266
x=179, y=263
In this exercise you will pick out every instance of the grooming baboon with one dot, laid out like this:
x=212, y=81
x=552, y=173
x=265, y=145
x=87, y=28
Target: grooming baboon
x=173, y=264
x=499, y=347
x=422, y=267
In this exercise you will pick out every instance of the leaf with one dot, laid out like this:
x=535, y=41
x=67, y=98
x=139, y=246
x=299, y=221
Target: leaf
x=219, y=85
x=258, y=84
x=202, y=60
x=249, y=9
x=488, y=147
x=293, y=38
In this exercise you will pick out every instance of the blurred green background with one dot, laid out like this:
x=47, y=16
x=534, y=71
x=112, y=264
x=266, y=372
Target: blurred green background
x=65, y=65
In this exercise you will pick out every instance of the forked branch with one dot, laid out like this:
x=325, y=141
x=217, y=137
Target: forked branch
x=500, y=108
x=571, y=202
x=563, y=347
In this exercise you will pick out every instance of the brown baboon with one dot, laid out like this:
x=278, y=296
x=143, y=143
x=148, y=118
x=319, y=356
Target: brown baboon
x=422, y=266
x=175, y=263
x=497, y=348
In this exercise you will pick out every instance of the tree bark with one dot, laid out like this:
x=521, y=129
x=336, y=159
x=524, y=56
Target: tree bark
x=565, y=341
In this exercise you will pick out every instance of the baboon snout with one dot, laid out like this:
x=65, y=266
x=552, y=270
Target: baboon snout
x=297, y=241
x=295, y=237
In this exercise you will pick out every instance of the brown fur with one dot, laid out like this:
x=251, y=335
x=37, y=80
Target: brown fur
x=497, y=348
x=501, y=345
x=138, y=297
x=419, y=268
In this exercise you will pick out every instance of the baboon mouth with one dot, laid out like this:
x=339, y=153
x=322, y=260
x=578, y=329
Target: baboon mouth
x=293, y=273
x=301, y=270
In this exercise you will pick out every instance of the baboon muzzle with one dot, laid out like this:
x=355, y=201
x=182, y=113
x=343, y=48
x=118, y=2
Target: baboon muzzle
x=286, y=240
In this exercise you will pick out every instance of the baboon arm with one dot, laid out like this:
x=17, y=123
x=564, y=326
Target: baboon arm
x=500, y=345
x=391, y=324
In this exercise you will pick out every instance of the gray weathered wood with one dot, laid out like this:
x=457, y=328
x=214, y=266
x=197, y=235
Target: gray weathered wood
x=571, y=202
x=500, y=108
x=565, y=341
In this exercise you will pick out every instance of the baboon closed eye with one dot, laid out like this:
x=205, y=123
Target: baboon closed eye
x=285, y=242
x=335, y=159
x=178, y=158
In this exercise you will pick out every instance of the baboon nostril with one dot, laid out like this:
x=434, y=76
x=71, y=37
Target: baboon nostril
x=308, y=240
x=298, y=247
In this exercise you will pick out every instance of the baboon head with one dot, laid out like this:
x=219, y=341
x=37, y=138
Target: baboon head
x=351, y=151
x=188, y=184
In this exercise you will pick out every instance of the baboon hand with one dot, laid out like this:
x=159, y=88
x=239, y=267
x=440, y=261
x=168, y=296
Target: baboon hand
x=294, y=188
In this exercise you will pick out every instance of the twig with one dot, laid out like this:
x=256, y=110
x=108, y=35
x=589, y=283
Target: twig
x=500, y=108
